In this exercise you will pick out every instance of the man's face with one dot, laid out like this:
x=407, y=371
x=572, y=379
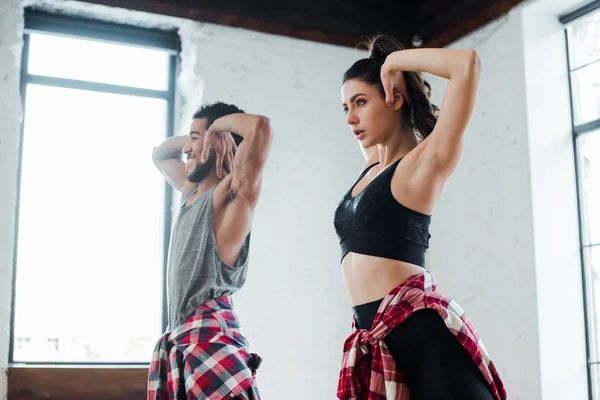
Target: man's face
x=194, y=169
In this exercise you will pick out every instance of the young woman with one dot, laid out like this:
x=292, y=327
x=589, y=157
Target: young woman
x=409, y=341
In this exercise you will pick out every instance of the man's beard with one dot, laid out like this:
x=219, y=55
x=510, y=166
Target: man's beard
x=202, y=169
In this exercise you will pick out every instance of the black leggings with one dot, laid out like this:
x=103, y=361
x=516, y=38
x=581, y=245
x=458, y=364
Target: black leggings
x=429, y=356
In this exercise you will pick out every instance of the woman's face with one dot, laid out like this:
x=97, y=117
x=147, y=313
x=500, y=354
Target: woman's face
x=369, y=118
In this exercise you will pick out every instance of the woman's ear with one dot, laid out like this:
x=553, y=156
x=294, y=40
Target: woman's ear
x=398, y=100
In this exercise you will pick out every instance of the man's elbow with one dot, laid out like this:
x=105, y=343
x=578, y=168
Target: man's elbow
x=157, y=158
x=263, y=128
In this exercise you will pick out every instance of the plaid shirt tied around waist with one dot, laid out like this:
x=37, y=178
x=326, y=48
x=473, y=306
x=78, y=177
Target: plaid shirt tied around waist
x=204, y=358
x=379, y=379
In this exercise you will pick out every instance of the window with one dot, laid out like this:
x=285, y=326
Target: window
x=93, y=214
x=583, y=41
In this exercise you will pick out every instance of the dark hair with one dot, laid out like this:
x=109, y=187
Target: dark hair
x=419, y=114
x=214, y=111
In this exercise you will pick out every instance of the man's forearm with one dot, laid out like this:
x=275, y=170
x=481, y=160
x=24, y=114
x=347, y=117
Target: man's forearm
x=170, y=148
x=240, y=124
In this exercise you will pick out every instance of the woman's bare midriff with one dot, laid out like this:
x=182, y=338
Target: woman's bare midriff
x=369, y=278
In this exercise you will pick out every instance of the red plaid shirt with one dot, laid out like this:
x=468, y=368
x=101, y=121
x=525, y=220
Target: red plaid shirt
x=381, y=380
x=204, y=358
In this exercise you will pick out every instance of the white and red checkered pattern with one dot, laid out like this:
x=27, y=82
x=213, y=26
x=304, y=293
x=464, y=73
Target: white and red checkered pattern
x=204, y=358
x=379, y=379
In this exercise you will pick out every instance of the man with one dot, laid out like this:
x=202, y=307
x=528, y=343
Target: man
x=203, y=354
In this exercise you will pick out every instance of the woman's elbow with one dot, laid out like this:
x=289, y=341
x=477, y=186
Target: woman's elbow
x=473, y=62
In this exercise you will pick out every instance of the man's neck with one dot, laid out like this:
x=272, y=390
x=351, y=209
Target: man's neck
x=209, y=182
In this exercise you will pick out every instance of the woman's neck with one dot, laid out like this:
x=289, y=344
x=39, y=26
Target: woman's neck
x=397, y=146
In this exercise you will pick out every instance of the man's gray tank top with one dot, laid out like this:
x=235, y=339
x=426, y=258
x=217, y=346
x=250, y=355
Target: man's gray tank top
x=196, y=272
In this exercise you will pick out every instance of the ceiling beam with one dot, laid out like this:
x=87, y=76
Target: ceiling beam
x=443, y=29
x=351, y=36
x=437, y=22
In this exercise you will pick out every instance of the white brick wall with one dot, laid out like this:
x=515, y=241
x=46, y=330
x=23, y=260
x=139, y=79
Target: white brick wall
x=557, y=257
x=11, y=28
x=293, y=308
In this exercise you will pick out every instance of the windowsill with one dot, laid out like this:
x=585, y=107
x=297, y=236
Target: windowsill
x=82, y=382
x=26, y=365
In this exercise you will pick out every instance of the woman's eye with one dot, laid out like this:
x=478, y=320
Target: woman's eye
x=345, y=110
x=360, y=102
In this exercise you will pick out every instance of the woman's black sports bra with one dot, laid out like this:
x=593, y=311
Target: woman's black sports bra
x=376, y=224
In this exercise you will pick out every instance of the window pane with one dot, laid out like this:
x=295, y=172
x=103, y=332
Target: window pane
x=592, y=266
x=589, y=175
x=90, y=60
x=90, y=243
x=586, y=93
x=584, y=40
x=596, y=382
